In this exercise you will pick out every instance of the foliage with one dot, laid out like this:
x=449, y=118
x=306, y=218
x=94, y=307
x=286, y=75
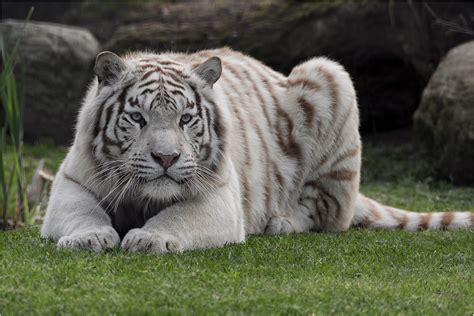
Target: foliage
x=11, y=131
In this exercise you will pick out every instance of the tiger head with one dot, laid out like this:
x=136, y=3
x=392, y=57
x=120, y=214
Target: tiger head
x=157, y=129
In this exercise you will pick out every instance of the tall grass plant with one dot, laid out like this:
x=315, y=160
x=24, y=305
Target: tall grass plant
x=12, y=172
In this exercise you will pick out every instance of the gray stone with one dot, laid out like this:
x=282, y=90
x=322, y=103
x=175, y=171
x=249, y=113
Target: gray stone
x=445, y=119
x=54, y=66
x=389, y=48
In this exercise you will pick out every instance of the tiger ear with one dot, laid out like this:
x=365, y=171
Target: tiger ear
x=209, y=71
x=109, y=68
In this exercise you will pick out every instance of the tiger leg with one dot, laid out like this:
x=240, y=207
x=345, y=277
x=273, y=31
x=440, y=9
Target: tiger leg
x=326, y=124
x=298, y=221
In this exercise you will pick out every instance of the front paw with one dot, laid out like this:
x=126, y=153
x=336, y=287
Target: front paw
x=139, y=240
x=96, y=240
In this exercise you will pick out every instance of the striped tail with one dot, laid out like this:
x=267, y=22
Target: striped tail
x=372, y=214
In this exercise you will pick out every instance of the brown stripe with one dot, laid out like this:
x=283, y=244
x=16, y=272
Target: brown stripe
x=290, y=147
x=305, y=84
x=398, y=215
x=148, y=60
x=221, y=133
x=279, y=177
x=403, y=221
x=337, y=142
x=311, y=183
x=178, y=71
x=340, y=175
x=337, y=205
x=148, y=66
x=169, y=62
x=268, y=178
x=447, y=218
x=250, y=84
x=177, y=92
x=325, y=195
x=297, y=71
x=333, y=87
x=106, y=140
x=425, y=220
x=173, y=84
x=308, y=110
x=274, y=168
x=149, y=82
x=147, y=90
x=375, y=213
x=98, y=116
x=347, y=155
x=246, y=198
x=260, y=98
x=148, y=74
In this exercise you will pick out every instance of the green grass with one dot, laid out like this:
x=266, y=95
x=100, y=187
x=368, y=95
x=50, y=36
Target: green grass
x=357, y=272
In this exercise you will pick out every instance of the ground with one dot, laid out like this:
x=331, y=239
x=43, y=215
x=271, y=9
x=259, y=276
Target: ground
x=357, y=272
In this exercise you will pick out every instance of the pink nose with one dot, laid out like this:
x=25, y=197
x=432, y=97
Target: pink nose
x=165, y=161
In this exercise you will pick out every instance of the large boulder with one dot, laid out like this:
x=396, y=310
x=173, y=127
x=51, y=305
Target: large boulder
x=445, y=118
x=53, y=68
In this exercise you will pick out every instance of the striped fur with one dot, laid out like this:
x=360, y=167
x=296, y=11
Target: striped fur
x=258, y=153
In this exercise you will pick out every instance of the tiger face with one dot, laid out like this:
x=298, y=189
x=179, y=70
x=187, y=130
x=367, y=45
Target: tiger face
x=154, y=125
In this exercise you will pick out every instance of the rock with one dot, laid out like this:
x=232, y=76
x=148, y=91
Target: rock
x=445, y=119
x=390, y=49
x=54, y=66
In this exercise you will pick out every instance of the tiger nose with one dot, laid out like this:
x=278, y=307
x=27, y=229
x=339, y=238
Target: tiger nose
x=165, y=160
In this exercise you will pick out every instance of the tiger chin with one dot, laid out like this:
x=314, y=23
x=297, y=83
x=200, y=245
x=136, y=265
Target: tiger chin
x=175, y=152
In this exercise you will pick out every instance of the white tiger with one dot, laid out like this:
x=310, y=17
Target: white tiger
x=185, y=151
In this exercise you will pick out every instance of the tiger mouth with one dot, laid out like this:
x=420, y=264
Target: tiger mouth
x=165, y=176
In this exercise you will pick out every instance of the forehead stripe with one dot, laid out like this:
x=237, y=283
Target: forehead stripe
x=169, y=62
x=177, y=92
x=149, y=73
x=174, y=84
x=149, y=82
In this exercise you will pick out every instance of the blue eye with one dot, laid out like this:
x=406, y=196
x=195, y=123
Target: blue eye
x=137, y=117
x=185, y=118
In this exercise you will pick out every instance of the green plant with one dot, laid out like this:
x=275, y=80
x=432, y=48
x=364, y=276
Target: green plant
x=11, y=131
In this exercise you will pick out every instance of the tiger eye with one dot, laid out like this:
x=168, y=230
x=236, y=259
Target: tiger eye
x=185, y=118
x=137, y=117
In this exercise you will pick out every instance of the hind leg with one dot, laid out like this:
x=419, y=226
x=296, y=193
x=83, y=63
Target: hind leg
x=326, y=120
x=297, y=222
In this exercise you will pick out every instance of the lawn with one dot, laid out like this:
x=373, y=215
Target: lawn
x=357, y=272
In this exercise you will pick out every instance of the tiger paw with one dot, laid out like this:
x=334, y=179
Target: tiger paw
x=96, y=240
x=140, y=240
x=278, y=226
